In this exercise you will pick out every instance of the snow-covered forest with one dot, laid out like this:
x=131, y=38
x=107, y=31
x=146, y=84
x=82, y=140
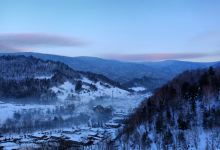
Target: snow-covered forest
x=48, y=105
x=183, y=114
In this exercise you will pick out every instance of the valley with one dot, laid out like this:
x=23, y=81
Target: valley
x=48, y=105
x=109, y=75
x=90, y=123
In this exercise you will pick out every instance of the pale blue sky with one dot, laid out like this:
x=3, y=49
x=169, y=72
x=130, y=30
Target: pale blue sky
x=127, y=28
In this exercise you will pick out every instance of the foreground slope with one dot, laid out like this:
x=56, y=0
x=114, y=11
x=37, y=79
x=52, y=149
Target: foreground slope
x=183, y=114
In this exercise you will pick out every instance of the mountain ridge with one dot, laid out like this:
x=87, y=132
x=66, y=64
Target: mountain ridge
x=27, y=76
x=125, y=72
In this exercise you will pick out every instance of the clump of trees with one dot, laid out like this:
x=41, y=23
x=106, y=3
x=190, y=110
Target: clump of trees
x=30, y=120
x=78, y=86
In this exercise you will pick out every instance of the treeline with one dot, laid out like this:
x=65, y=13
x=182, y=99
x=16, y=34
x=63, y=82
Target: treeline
x=189, y=101
x=151, y=83
x=32, y=88
x=30, y=120
x=188, y=87
x=19, y=77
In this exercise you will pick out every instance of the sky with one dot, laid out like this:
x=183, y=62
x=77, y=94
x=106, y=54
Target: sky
x=128, y=30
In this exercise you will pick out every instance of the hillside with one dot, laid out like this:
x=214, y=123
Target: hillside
x=183, y=114
x=144, y=83
x=24, y=77
x=126, y=72
x=47, y=104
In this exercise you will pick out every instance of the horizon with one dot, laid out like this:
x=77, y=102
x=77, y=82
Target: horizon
x=125, y=31
x=108, y=59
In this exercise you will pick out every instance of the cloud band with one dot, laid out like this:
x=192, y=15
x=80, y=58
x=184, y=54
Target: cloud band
x=21, y=41
x=156, y=56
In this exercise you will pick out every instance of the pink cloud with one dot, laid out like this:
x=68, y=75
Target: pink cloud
x=155, y=56
x=23, y=41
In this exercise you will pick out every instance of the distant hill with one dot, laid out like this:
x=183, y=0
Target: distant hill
x=126, y=72
x=29, y=77
x=147, y=83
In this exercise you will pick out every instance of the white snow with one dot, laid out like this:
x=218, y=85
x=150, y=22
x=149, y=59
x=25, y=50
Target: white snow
x=82, y=132
x=106, y=95
x=67, y=89
x=43, y=77
x=7, y=110
x=9, y=145
x=138, y=89
x=63, y=90
x=86, y=80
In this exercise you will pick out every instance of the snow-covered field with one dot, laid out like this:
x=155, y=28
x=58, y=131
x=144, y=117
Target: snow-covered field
x=121, y=102
x=7, y=110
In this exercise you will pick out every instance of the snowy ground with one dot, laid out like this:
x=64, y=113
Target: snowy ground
x=138, y=89
x=67, y=91
x=44, y=77
x=122, y=103
x=7, y=110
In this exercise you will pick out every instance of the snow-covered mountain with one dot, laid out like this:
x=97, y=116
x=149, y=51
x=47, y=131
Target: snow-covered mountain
x=157, y=73
x=43, y=101
x=29, y=77
x=94, y=112
x=183, y=114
